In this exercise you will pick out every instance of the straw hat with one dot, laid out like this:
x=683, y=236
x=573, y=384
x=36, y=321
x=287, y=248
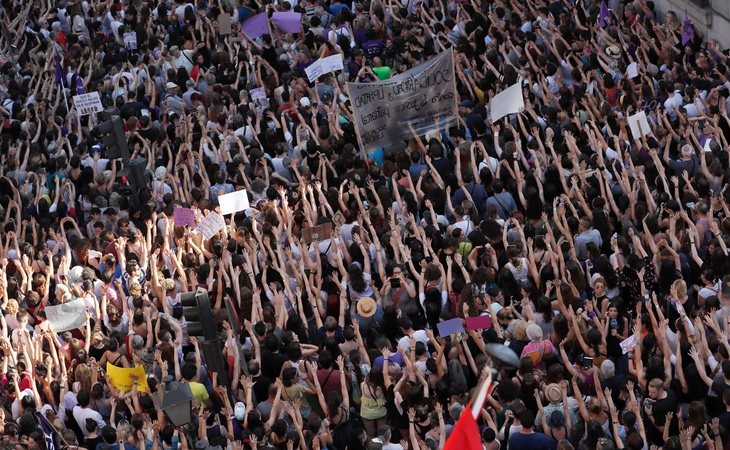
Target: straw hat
x=366, y=307
x=553, y=393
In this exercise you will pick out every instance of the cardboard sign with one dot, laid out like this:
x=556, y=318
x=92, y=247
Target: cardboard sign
x=184, y=217
x=67, y=316
x=211, y=225
x=449, y=327
x=88, y=103
x=224, y=23
x=478, y=323
x=123, y=378
x=233, y=202
x=509, y=101
x=639, y=125
x=317, y=233
x=338, y=219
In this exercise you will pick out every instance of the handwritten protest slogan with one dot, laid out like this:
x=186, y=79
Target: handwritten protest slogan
x=123, y=378
x=88, y=103
x=423, y=97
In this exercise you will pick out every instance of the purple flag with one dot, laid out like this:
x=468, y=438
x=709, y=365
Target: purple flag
x=256, y=26
x=58, y=71
x=604, y=17
x=288, y=22
x=688, y=31
x=49, y=433
x=79, y=84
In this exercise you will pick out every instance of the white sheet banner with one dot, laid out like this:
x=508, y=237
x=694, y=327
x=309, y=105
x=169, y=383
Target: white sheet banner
x=423, y=97
x=67, y=316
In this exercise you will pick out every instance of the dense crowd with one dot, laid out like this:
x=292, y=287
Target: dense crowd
x=597, y=256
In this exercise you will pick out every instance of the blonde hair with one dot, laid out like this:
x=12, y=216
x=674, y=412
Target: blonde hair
x=521, y=330
x=12, y=307
x=82, y=374
x=680, y=287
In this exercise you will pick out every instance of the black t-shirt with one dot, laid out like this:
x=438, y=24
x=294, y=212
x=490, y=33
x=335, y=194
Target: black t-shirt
x=91, y=443
x=659, y=412
x=271, y=364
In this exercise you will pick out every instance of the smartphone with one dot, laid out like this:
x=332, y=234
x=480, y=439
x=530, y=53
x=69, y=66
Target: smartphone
x=614, y=324
x=587, y=362
x=395, y=282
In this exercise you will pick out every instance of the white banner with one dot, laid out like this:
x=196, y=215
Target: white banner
x=67, y=316
x=323, y=66
x=423, y=97
x=88, y=103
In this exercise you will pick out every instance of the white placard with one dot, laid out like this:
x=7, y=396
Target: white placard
x=259, y=99
x=130, y=40
x=707, y=148
x=628, y=344
x=632, y=70
x=211, y=225
x=509, y=101
x=324, y=66
x=233, y=202
x=88, y=103
x=639, y=125
x=67, y=316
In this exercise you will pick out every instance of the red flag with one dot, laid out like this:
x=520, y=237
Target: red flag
x=465, y=435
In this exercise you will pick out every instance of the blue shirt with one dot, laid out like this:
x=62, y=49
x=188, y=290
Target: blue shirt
x=337, y=8
x=532, y=441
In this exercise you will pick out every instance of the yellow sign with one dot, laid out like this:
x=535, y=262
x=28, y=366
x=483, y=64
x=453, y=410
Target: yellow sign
x=123, y=378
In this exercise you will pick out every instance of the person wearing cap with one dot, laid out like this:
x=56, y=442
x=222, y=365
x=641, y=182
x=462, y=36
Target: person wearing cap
x=173, y=101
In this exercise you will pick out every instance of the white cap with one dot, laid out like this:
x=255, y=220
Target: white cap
x=239, y=411
x=304, y=101
x=171, y=85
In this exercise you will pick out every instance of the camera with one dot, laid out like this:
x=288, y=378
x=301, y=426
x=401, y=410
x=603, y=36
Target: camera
x=395, y=282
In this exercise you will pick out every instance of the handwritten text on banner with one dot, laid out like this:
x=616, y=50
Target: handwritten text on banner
x=423, y=97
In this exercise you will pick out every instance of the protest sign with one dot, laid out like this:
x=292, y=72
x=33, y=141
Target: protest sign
x=210, y=225
x=233, y=202
x=509, y=101
x=478, y=323
x=288, y=22
x=317, y=233
x=130, y=40
x=259, y=99
x=423, y=98
x=256, y=26
x=184, y=217
x=639, y=125
x=67, y=316
x=88, y=103
x=224, y=23
x=323, y=66
x=123, y=378
x=628, y=344
x=449, y=327
x=632, y=70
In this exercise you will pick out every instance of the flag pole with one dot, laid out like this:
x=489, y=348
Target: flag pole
x=480, y=395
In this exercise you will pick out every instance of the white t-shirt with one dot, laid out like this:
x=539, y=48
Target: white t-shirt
x=81, y=414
